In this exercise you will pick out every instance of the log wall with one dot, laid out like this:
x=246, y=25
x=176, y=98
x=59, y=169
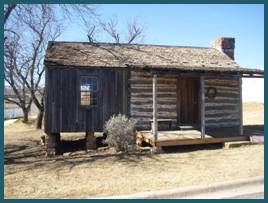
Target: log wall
x=224, y=109
x=141, y=103
x=130, y=93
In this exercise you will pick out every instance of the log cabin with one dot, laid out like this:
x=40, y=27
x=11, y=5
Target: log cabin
x=179, y=95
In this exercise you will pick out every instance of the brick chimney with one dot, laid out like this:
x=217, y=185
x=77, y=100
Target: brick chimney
x=225, y=45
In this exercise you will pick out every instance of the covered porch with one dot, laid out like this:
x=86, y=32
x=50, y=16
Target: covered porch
x=187, y=137
x=200, y=133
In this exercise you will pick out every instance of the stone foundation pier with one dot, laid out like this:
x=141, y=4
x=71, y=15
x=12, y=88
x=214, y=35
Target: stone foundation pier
x=52, y=142
x=90, y=141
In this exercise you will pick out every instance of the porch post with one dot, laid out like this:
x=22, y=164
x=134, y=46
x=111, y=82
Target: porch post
x=241, y=131
x=202, y=106
x=155, y=123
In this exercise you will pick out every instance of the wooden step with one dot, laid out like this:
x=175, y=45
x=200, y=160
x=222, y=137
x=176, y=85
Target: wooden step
x=187, y=127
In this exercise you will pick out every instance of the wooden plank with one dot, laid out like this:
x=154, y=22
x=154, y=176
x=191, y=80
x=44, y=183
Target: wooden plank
x=47, y=121
x=222, y=119
x=225, y=107
x=223, y=124
x=160, y=99
x=216, y=113
x=141, y=97
x=224, y=100
x=176, y=138
x=201, y=141
x=150, y=102
x=146, y=108
x=137, y=114
x=186, y=73
x=202, y=107
x=222, y=87
x=253, y=76
x=221, y=80
x=63, y=110
x=125, y=93
x=140, y=85
x=188, y=101
x=138, y=81
x=225, y=104
x=55, y=88
x=149, y=94
x=178, y=102
x=240, y=107
x=155, y=123
x=214, y=104
x=227, y=94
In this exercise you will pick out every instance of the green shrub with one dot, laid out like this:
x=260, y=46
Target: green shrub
x=121, y=132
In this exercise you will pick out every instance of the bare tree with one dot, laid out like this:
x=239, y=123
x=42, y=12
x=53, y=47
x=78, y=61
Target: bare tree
x=134, y=28
x=43, y=27
x=110, y=28
x=91, y=33
x=24, y=53
x=14, y=64
x=27, y=30
x=8, y=8
x=85, y=14
x=34, y=26
x=135, y=31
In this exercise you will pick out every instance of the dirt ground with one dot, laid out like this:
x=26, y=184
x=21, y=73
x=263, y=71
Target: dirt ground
x=253, y=113
x=29, y=174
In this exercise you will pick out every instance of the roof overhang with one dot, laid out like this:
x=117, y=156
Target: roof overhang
x=183, y=71
x=252, y=75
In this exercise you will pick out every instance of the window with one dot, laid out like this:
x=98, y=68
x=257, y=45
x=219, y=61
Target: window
x=88, y=91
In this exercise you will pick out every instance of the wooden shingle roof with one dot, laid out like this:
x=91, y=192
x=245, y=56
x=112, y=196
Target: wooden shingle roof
x=108, y=55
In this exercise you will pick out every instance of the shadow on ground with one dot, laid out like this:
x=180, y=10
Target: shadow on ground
x=191, y=148
x=253, y=128
x=30, y=154
x=256, y=130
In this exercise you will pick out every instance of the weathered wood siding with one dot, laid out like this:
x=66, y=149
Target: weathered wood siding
x=224, y=109
x=63, y=112
x=141, y=103
x=130, y=93
x=188, y=101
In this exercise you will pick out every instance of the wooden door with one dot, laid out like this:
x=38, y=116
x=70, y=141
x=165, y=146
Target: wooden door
x=188, y=101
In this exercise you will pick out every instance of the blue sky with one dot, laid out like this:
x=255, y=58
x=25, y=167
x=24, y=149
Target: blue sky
x=191, y=25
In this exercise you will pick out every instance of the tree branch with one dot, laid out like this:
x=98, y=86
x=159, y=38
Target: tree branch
x=110, y=28
x=12, y=101
x=8, y=10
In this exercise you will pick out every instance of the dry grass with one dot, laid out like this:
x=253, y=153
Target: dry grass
x=28, y=174
x=10, y=105
x=253, y=113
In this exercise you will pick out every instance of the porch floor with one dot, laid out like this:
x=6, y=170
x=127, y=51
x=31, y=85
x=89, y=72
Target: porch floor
x=186, y=137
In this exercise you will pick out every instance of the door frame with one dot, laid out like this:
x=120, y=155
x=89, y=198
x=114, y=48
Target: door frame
x=179, y=103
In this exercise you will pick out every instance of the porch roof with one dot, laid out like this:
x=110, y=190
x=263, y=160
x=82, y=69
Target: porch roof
x=109, y=55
